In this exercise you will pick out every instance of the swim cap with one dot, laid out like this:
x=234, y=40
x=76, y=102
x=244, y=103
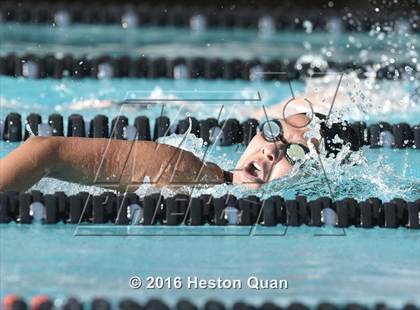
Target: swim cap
x=342, y=130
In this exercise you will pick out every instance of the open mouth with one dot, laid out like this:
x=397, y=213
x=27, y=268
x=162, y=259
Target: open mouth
x=254, y=171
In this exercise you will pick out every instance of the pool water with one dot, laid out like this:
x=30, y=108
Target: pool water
x=364, y=265
x=381, y=44
x=319, y=264
x=386, y=173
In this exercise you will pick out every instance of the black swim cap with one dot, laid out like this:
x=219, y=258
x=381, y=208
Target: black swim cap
x=341, y=129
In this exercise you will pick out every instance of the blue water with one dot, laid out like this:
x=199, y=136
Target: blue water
x=364, y=265
x=379, y=45
x=385, y=173
x=360, y=265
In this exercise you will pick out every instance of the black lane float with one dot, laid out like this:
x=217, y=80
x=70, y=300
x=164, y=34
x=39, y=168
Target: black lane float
x=181, y=209
x=225, y=132
x=277, y=16
x=15, y=302
x=59, y=66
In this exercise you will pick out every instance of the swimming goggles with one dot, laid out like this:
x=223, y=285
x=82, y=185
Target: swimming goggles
x=272, y=131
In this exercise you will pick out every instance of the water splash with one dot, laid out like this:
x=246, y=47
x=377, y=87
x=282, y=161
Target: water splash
x=349, y=174
x=360, y=99
x=50, y=186
x=361, y=178
x=187, y=141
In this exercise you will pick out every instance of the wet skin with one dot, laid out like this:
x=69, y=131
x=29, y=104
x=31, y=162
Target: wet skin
x=123, y=165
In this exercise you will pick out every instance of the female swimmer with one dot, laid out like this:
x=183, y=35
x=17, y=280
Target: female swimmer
x=124, y=165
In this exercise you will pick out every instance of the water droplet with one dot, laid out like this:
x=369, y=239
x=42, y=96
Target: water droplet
x=307, y=45
x=308, y=26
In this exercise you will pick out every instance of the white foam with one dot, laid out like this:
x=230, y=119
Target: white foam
x=358, y=99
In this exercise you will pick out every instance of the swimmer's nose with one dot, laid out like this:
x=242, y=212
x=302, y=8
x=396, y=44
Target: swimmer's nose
x=270, y=152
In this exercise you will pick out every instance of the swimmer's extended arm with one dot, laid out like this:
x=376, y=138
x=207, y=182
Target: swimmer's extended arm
x=117, y=164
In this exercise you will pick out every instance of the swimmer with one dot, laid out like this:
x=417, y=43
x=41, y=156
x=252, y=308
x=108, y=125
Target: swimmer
x=124, y=165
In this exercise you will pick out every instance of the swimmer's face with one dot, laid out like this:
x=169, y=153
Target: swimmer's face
x=263, y=161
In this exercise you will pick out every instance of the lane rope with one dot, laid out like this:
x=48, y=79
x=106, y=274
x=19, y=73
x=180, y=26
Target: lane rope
x=181, y=209
x=224, y=133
